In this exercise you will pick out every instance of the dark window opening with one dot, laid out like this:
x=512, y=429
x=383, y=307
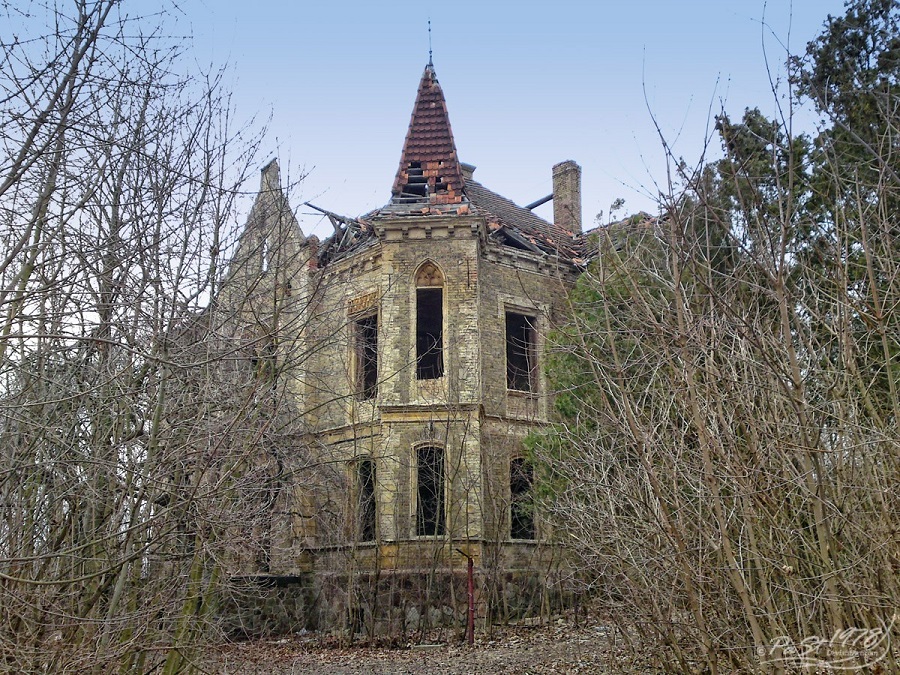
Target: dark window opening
x=521, y=355
x=366, y=513
x=430, y=480
x=521, y=509
x=429, y=333
x=367, y=357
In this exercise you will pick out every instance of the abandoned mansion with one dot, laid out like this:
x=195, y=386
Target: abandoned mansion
x=402, y=358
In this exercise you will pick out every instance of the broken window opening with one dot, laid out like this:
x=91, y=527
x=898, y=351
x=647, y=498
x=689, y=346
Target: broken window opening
x=366, y=348
x=430, y=488
x=521, y=504
x=521, y=353
x=365, y=507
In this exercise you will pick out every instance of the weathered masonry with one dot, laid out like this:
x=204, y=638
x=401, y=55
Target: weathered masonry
x=409, y=344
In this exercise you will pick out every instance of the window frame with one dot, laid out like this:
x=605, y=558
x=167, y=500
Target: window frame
x=529, y=352
x=365, y=515
x=419, y=525
x=520, y=496
x=361, y=323
x=429, y=280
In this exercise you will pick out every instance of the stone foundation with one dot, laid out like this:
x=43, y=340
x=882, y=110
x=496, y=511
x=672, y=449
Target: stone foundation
x=390, y=603
x=268, y=605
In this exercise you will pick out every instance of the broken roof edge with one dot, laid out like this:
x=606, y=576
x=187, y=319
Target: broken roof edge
x=510, y=238
x=350, y=235
x=525, y=228
x=420, y=209
x=639, y=219
x=360, y=221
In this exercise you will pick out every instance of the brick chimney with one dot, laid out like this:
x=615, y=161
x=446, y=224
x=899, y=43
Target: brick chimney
x=567, y=196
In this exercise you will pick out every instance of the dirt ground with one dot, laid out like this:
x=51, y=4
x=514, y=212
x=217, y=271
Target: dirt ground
x=559, y=647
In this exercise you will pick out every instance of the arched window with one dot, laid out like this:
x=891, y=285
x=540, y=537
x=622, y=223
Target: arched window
x=429, y=322
x=429, y=491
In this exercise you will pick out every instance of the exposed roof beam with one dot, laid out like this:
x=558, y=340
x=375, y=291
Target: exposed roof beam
x=519, y=239
x=542, y=200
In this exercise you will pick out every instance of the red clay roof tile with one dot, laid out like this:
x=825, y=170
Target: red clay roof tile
x=429, y=152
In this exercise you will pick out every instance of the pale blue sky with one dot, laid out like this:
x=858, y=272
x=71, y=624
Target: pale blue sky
x=528, y=84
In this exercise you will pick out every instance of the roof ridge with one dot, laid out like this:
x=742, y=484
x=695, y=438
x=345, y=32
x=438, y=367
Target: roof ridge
x=537, y=232
x=509, y=201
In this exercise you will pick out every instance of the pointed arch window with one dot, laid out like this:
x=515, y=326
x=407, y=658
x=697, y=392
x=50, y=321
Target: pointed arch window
x=430, y=491
x=429, y=322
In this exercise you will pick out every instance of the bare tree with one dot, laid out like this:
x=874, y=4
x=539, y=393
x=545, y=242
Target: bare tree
x=725, y=465
x=116, y=185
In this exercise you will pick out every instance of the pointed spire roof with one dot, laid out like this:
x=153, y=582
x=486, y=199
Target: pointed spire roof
x=429, y=167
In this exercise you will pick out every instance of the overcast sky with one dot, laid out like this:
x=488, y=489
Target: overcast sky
x=527, y=85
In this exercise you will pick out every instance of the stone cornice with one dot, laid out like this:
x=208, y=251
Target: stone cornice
x=429, y=227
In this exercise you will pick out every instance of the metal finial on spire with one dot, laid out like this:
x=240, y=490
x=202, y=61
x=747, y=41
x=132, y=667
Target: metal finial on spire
x=429, y=43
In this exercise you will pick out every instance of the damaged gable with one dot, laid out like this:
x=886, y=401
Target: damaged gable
x=272, y=237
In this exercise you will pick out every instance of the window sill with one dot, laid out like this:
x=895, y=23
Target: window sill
x=524, y=405
x=435, y=389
